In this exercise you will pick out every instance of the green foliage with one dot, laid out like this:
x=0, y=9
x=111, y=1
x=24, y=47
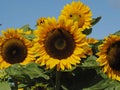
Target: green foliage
x=79, y=79
x=117, y=33
x=100, y=72
x=26, y=28
x=27, y=72
x=90, y=62
x=27, y=75
x=87, y=31
x=96, y=20
x=106, y=84
x=3, y=75
x=5, y=86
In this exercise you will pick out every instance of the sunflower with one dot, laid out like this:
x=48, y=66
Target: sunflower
x=109, y=57
x=59, y=44
x=77, y=11
x=14, y=48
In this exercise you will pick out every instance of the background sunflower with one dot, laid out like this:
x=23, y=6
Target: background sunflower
x=77, y=11
x=14, y=48
x=109, y=56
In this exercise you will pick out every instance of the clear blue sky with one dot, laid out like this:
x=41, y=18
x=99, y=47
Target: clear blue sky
x=16, y=13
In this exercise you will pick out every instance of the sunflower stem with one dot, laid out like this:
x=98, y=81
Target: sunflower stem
x=58, y=73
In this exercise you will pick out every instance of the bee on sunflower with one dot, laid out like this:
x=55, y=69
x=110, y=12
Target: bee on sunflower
x=59, y=44
x=109, y=57
x=40, y=21
x=14, y=48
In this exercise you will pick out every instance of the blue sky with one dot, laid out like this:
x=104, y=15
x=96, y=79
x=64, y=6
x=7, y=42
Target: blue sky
x=16, y=13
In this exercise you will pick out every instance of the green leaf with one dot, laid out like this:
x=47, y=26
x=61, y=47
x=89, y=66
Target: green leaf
x=106, y=84
x=27, y=72
x=101, y=73
x=117, y=33
x=3, y=75
x=90, y=62
x=96, y=20
x=35, y=71
x=16, y=72
x=4, y=86
x=26, y=27
x=87, y=31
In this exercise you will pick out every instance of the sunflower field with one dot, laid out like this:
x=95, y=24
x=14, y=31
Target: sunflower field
x=59, y=55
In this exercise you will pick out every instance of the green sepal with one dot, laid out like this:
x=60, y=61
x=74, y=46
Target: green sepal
x=106, y=84
x=69, y=70
x=87, y=31
x=95, y=20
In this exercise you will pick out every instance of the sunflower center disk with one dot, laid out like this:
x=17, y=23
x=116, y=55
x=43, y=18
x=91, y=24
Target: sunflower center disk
x=59, y=44
x=114, y=56
x=14, y=51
